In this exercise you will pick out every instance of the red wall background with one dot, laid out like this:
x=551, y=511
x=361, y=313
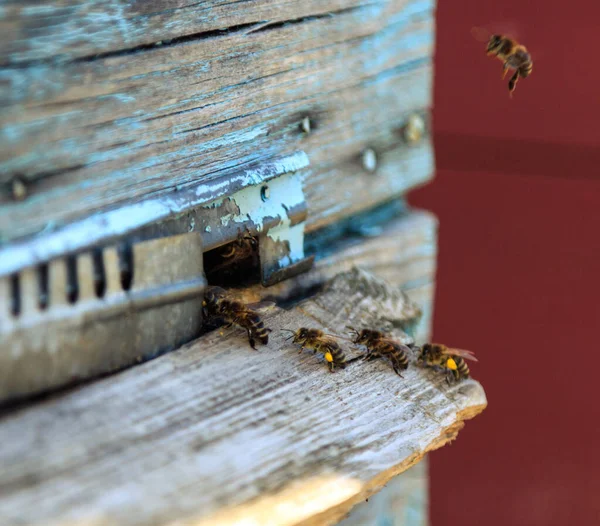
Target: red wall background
x=517, y=193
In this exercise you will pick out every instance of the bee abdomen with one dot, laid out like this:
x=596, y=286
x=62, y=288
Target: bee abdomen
x=397, y=354
x=257, y=327
x=338, y=356
x=401, y=359
x=462, y=367
x=526, y=69
x=262, y=334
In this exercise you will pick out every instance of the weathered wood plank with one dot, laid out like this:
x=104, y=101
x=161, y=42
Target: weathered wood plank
x=81, y=28
x=86, y=135
x=215, y=432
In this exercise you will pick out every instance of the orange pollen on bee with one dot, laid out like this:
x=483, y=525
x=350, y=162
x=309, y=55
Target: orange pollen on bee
x=328, y=357
x=451, y=364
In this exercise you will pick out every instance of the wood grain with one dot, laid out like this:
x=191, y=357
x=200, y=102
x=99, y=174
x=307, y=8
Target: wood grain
x=61, y=30
x=216, y=432
x=89, y=134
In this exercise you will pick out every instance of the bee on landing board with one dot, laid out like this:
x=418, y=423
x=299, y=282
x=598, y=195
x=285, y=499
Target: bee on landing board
x=320, y=342
x=512, y=54
x=451, y=360
x=217, y=303
x=379, y=346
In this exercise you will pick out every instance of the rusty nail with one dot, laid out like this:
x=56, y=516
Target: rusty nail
x=413, y=131
x=305, y=125
x=369, y=160
x=19, y=189
x=265, y=193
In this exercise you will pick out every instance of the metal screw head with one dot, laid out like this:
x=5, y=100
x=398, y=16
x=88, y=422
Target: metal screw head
x=19, y=189
x=413, y=131
x=369, y=160
x=265, y=193
x=305, y=125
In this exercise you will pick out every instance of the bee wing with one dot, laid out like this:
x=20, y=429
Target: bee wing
x=261, y=306
x=328, y=338
x=336, y=336
x=396, y=342
x=467, y=355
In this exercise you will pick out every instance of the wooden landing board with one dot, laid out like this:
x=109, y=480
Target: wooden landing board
x=215, y=432
x=95, y=115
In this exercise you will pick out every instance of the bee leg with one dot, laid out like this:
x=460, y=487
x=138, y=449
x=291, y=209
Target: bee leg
x=504, y=70
x=449, y=377
x=452, y=376
x=251, y=339
x=370, y=356
x=330, y=367
x=512, y=83
x=397, y=368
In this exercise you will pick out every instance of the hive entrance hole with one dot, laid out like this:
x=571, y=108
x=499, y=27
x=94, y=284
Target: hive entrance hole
x=235, y=264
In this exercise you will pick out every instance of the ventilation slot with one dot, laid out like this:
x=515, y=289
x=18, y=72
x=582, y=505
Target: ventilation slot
x=125, y=265
x=99, y=273
x=15, y=295
x=43, y=286
x=72, y=283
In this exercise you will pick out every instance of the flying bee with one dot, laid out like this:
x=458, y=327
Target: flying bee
x=512, y=54
x=379, y=346
x=320, y=342
x=218, y=303
x=451, y=360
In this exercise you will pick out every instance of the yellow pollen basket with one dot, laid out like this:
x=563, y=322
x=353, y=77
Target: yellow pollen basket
x=451, y=364
x=328, y=357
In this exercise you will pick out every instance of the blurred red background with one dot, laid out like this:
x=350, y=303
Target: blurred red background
x=517, y=193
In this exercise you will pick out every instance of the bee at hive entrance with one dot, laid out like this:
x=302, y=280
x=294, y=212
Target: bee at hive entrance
x=234, y=264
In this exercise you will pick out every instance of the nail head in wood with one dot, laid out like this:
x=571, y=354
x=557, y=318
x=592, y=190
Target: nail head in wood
x=369, y=160
x=19, y=189
x=413, y=131
x=305, y=125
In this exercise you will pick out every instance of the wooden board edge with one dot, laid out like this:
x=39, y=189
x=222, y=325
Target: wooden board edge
x=335, y=494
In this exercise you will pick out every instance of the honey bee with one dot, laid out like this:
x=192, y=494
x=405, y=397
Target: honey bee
x=451, y=360
x=227, y=260
x=318, y=341
x=218, y=303
x=379, y=346
x=512, y=54
x=245, y=246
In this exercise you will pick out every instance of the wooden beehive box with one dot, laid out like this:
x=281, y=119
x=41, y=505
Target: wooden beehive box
x=139, y=141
